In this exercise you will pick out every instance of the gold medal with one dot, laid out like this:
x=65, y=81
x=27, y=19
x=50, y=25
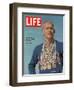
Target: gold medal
x=49, y=66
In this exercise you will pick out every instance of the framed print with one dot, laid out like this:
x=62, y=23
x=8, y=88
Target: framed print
x=40, y=44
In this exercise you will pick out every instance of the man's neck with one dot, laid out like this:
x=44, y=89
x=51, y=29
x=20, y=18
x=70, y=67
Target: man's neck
x=48, y=42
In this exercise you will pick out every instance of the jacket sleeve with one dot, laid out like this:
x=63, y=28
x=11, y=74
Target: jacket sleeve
x=61, y=57
x=33, y=62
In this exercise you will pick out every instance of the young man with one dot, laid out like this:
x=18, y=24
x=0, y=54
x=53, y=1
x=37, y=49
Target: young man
x=48, y=55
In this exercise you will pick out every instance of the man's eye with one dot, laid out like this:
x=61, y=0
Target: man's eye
x=49, y=28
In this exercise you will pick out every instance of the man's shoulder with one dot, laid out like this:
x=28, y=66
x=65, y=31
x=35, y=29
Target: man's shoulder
x=38, y=49
x=39, y=46
x=59, y=46
x=59, y=42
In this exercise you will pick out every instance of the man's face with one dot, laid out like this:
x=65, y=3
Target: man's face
x=48, y=30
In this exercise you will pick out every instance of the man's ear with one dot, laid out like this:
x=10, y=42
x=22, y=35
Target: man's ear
x=54, y=30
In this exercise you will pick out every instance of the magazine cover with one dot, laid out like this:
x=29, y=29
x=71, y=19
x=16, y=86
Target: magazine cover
x=42, y=40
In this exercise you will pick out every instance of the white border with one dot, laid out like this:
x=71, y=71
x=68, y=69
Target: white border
x=47, y=77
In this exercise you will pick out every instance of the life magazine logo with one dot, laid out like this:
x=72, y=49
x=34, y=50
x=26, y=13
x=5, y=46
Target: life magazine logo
x=33, y=21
